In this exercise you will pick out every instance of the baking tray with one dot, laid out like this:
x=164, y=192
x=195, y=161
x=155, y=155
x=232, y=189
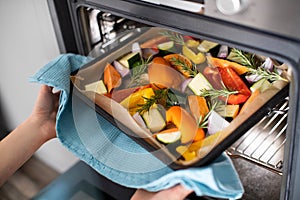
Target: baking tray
x=212, y=146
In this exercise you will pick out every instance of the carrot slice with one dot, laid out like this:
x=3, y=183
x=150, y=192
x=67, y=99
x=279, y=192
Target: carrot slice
x=198, y=106
x=185, y=123
x=152, y=43
x=160, y=72
x=173, y=59
x=112, y=78
x=217, y=62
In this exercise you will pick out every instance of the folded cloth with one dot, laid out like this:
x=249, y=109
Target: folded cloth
x=113, y=154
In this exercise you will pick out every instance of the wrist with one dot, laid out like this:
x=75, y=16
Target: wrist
x=41, y=128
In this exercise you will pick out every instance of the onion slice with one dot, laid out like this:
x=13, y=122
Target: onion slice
x=268, y=64
x=136, y=48
x=138, y=118
x=223, y=52
x=185, y=83
x=253, y=78
x=120, y=68
x=216, y=123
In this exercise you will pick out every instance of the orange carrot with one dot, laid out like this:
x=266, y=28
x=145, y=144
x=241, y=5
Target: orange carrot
x=152, y=43
x=217, y=62
x=172, y=58
x=185, y=123
x=198, y=106
x=160, y=72
x=112, y=78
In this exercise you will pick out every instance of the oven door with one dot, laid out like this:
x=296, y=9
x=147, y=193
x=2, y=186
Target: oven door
x=236, y=29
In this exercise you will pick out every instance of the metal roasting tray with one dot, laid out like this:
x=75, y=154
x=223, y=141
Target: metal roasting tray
x=212, y=148
x=270, y=131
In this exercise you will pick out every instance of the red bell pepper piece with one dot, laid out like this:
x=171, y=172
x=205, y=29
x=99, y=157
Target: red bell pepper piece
x=235, y=98
x=226, y=77
x=187, y=37
x=233, y=82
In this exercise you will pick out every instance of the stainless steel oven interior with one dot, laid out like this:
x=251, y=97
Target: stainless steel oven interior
x=267, y=156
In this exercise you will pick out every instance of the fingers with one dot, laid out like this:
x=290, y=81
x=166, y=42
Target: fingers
x=181, y=191
x=177, y=192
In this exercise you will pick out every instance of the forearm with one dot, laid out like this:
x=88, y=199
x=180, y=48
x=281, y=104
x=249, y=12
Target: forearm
x=18, y=147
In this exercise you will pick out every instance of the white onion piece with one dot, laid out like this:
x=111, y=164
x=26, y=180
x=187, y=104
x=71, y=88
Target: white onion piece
x=223, y=52
x=216, y=123
x=185, y=83
x=121, y=69
x=253, y=78
x=136, y=48
x=138, y=118
x=268, y=64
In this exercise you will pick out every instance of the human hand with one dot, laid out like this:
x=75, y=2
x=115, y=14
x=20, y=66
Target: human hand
x=45, y=110
x=38, y=128
x=177, y=192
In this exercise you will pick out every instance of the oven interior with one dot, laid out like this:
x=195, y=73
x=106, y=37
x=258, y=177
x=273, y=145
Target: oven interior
x=259, y=155
x=102, y=31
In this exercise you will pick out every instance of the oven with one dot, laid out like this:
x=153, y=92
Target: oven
x=267, y=156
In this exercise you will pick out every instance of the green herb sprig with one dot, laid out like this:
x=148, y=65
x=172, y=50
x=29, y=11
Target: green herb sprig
x=271, y=76
x=243, y=58
x=184, y=67
x=176, y=37
x=159, y=96
x=137, y=72
x=255, y=66
x=213, y=93
x=203, y=121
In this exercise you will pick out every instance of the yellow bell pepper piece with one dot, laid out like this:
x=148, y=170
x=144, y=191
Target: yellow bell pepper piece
x=133, y=101
x=186, y=154
x=195, y=58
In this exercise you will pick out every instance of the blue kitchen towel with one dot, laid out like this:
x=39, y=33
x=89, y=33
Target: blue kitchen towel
x=113, y=154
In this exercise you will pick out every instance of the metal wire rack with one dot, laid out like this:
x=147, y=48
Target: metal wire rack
x=264, y=143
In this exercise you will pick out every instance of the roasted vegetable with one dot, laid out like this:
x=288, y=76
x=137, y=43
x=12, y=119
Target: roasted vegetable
x=198, y=107
x=182, y=64
x=133, y=101
x=233, y=82
x=152, y=43
x=227, y=78
x=97, y=87
x=153, y=119
x=168, y=136
x=160, y=72
x=112, y=78
x=196, y=58
x=185, y=123
x=221, y=63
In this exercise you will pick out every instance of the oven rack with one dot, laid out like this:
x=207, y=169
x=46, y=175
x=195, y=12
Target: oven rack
x=264, y=143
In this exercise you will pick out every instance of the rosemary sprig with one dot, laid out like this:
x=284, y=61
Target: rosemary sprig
x=184, y=67
x=203, y=121
x=176, y=37
x=264, y=73
x=213, y=93
x=159, y=96
x=137, y=72
x=243, y=58
x=255, y=67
